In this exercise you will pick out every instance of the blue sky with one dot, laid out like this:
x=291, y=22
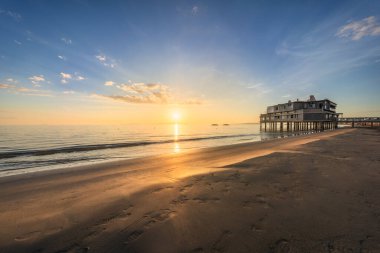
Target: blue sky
x=210, y=59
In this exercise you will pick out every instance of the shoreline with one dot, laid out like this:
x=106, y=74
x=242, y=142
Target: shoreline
x=261, y=196
x=118, y=161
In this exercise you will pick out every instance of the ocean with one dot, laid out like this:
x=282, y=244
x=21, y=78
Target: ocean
x=25, y=149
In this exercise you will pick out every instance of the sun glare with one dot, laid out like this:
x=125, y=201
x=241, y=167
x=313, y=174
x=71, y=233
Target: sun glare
x=176, y=116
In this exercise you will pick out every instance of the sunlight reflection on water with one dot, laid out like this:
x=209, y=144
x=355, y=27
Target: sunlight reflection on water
x=35, y=148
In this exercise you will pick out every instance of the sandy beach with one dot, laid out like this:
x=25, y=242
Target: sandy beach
x=308, y=193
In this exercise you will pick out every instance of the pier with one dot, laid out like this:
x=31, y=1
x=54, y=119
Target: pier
x=310, y=115
x=360, y=121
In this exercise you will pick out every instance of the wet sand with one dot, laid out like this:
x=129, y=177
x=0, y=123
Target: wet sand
x=315, y=193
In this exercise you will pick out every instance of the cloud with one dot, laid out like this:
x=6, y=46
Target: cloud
x=16, y=16
x=109, y=83
x=68, y=92
x=65, y=77
x=255, y=86
x=6, y=86
x=192, y=101
x=306, y=58
x=101, y=58
x=356, y=30
x=25, y=91
x=105, y=60
x=148, y=93
x=259, y=88
x=11, y=80
x=194, y=10
x=33, y=92
x=37, y=79
x=17, y=42
x=63, y=58
x=67, y=41
x=151, y=93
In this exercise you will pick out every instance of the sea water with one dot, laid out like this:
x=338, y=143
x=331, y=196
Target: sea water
x=25, y=149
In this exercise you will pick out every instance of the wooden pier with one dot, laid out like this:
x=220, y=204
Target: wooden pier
x=360, y=121
x=310, y=115
x=293, y=126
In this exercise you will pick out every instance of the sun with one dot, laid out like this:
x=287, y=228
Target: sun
x=176, y=116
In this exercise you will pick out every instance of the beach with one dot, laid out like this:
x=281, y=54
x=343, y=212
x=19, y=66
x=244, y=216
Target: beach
x=307, y=193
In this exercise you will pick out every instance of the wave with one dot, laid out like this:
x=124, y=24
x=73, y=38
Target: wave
x=92, y=147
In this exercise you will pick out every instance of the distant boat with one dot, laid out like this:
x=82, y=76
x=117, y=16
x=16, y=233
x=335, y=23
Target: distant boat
x=226, y=124
x=214, y=125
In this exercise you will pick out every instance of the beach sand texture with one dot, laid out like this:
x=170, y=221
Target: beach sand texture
x=310, y=193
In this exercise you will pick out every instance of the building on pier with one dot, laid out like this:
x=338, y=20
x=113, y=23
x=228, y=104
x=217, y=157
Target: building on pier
x=300, y=116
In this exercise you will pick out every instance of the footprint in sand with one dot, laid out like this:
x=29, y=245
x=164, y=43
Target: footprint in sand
x=187, y=186
x=281, y=246
x=158, y=216
x=206, y=199
x=256, y=228
x=133, y=236
x=28, y=236
x=197, y=250
x=182, y=199
x=162, y=189
x=220, y=244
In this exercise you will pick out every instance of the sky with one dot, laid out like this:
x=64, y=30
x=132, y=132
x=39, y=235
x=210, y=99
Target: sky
x=121, y=62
